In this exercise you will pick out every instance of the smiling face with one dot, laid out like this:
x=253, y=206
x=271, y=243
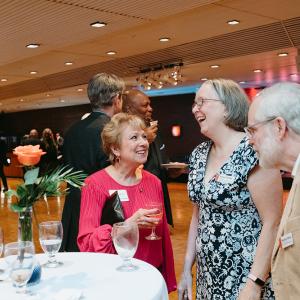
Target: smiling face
x=210, y=113
x=133, y=148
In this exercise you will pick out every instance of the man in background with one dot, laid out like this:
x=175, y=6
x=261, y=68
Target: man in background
x=3, y=162
x=274, y=131
x=137, y=103
x=82, y=148
x=33, y=138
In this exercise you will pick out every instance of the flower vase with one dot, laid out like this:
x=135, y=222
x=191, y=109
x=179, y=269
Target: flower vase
x=25, y=234
x=25, y=225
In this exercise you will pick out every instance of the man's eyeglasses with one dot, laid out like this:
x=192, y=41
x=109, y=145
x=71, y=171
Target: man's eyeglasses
x=200, y=100
x=250, y=130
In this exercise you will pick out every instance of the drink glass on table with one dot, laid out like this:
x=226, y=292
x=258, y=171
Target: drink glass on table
x=125, y=238
x=21, y=260
x=50, y=235
x=157, y=215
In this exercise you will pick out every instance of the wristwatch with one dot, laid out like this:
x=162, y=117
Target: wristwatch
x=257, y=280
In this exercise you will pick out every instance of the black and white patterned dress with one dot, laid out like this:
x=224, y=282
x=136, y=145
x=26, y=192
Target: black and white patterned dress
x=229, y=224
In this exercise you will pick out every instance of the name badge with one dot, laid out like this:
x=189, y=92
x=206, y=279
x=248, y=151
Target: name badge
x=287, y=240
x=225, y=179
x=122, y=194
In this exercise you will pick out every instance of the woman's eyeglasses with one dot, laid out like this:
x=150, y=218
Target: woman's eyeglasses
x=198, y=102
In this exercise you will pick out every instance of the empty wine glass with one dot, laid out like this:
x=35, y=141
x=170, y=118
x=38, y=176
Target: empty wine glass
x=21, y=260
x=125, y=238
x=157, y=215
x=50, y=235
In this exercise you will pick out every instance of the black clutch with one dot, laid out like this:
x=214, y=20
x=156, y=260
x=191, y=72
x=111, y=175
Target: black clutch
x=112, y=211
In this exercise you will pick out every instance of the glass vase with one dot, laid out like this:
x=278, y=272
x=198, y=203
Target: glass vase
x=25, y=225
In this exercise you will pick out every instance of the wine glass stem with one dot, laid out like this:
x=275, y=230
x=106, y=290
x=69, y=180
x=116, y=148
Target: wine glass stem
x=153, y=233
x=52, y=259
x=21, y=289
x=127, y=262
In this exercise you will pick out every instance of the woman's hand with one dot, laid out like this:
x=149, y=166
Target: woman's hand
x=185, y=286
x=143, y=218
x=251, y=291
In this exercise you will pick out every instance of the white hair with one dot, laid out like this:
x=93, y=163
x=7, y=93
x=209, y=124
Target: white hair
x=281, y=100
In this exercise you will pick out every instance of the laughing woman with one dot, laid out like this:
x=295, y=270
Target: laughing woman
x=125, y=143
x=237, y=205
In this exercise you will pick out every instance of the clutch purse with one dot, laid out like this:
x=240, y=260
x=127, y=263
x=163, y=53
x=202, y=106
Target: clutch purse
x=112, y=211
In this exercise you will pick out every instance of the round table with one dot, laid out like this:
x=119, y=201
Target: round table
x=95, y=275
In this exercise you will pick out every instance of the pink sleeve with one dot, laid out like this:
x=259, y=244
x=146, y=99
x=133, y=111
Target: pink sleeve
x=167, y=270
x=91, y=236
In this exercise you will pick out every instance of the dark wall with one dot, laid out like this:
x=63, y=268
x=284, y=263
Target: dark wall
x=168, y=110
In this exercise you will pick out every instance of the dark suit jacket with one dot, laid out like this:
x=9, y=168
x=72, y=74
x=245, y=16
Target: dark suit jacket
x=157, y=156
x=82, y=150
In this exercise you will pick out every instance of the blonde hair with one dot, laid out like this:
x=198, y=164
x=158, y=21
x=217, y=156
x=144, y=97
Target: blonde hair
x=112, y=131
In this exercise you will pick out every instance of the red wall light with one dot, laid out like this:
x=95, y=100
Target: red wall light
x=176, y=130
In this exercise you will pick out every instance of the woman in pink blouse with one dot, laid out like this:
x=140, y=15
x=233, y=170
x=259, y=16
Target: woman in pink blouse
x=125, y=142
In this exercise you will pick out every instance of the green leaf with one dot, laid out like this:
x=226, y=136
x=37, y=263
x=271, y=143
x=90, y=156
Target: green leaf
x=17, y=208
x=11, y=193
x=31, y=176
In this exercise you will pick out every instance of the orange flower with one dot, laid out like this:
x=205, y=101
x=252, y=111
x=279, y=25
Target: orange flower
x=29, y=155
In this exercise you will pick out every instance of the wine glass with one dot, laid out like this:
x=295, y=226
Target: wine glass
x=21, y=260
x=50, y=236
x=125, y=238
x=158, y=215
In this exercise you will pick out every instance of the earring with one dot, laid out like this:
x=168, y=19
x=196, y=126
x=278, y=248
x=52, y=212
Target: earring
x=117, y=158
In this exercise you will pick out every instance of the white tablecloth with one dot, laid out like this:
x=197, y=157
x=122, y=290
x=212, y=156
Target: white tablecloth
x=95, y=275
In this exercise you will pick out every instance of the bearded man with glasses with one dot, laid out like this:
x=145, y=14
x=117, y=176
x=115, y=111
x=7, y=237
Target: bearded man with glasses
x=278, y=146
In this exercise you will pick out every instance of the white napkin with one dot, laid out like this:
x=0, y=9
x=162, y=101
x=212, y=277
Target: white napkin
x=67, y=294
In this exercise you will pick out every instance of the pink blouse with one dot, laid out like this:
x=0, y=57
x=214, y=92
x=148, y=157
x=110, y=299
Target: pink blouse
x=93, y=237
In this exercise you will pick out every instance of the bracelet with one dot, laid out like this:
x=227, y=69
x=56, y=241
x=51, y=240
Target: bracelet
x=257, y=280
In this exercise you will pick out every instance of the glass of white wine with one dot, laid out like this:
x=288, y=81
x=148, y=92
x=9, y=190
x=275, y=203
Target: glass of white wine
x=158, y=216
x=125, y=238
x=50, y=236
x=21, y=260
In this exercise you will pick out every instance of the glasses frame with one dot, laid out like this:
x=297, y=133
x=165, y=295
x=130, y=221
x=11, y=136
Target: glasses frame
x=198, y=104
x=250, y=130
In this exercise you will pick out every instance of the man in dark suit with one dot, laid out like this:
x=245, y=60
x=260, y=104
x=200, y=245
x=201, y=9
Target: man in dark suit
x=33, y=138
x=138, y=103
x=82, y=147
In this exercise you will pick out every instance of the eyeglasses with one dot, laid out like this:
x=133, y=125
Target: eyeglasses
x=250, y=130
x=201, y=100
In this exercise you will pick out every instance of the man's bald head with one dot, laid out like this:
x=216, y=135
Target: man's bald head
x=137, y=103
x=34, y=133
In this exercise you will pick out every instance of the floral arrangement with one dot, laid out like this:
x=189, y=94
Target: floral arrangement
x=35, y=187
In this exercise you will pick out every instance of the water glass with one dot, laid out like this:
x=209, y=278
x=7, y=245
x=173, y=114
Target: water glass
x=125, y=238
x=21, y=260
x=50, y=236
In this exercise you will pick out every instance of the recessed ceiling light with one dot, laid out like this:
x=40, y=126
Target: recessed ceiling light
x=98, y=24
x=48, y=95
x=111, y=52
x=257, y=71
x=203, y=79
x=164, y=39
x=233, y=22
x=282, y=54
x=33, y=72
x=215, y=66
x=21, y=100
x=80, y=90
x=3, y=79
x=242, y=82
x=33, y=46
x=62, y=100
x=68, y=63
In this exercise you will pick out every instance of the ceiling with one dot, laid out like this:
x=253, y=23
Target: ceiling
x=199, y=37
